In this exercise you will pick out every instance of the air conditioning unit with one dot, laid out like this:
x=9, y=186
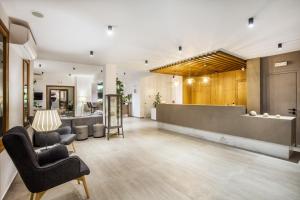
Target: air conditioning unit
x=23, y=41
x=38, y=76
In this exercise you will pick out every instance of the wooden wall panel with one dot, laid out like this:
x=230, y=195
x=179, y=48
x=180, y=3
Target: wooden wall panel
x=226, y=88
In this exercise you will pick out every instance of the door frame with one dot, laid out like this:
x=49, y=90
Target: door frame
x=28, y=90
x=58, y=87
x=4, y=31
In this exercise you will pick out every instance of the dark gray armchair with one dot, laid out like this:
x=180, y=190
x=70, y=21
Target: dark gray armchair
x=62, y=135
x=45, y=170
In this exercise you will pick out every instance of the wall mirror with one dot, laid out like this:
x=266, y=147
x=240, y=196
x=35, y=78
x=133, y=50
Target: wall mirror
x=26, y=95
x=60, y=98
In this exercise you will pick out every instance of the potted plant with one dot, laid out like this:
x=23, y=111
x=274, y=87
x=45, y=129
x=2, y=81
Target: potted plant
x=155, y=103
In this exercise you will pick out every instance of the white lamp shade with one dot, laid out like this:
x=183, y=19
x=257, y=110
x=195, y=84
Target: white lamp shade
x=46, y=120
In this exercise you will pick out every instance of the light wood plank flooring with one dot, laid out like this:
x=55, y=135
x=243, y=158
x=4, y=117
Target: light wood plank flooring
x=152, y=164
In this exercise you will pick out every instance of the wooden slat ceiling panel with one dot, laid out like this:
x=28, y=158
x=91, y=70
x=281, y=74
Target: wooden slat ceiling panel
x=210, y=63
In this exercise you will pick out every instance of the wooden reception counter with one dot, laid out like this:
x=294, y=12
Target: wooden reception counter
x=230, y=125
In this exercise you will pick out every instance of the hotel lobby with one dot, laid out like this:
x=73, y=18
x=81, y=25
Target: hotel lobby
x=114, y=100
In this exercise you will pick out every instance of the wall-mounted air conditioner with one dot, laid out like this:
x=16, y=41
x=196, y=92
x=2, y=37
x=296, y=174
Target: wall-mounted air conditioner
x=22, y=38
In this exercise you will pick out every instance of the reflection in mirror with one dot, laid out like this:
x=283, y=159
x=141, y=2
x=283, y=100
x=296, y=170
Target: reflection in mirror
x=26, y=68
x=1, y=84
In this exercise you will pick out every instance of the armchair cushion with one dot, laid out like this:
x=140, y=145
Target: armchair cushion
x=67, y=139
x=64, y=130
x=53, y=154
x=45, y=139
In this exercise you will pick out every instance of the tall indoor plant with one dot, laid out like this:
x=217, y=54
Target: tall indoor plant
x=157, y=100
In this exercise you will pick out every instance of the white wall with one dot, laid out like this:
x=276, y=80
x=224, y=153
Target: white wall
x=144, y=88
x=7, y=169
x=50, y=79
x=83, y=87
x=84, y=79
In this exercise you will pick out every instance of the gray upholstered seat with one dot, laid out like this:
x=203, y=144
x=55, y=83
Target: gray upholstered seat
x=82, y=132
x=67, y=139
x=99, y=130
x=62, y=135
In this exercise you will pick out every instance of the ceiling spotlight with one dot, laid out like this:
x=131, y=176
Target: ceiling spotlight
x=109, y=30
x=146, y=62
x=205, y=80
x=243, y=69
x=251, y=22
x=190, y=81
x=37, y=14
x=279, y=45
x=180, y=49
x=74, y=68
x=91, y=53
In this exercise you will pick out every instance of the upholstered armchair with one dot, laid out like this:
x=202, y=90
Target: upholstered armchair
x=62, y=135
x=44, y=170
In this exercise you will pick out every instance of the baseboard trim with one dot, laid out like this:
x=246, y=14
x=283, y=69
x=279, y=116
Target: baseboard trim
x=272, y=149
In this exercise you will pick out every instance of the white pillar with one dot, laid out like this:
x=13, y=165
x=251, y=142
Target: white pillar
x=109, y=83
x=110, y=75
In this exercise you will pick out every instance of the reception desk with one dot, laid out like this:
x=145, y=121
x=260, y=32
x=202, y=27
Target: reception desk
x=230, y=125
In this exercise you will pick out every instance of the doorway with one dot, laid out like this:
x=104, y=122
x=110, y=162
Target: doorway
x=283, y=97
x=60, y=98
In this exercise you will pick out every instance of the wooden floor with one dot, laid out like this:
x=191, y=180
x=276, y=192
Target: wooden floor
x=151, y=164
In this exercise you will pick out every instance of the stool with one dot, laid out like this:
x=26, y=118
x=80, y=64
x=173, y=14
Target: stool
x=98, y=130
x=82, y=132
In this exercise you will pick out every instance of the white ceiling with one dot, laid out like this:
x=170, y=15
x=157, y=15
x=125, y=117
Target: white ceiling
x=153, y=29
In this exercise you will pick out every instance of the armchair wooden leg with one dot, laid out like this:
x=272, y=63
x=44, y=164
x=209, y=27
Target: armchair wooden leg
x=31, y=196
x=73, y=147
x=85, y=186
x=39, y=195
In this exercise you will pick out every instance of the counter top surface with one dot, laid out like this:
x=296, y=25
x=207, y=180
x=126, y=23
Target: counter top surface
x=270, y=117
x=79, y=117
x=204, y=105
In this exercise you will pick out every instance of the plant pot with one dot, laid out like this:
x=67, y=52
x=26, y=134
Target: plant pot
x=153, y=113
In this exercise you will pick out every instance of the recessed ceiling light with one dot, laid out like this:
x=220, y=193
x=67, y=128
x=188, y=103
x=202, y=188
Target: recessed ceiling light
x=37, y=14
x=243, y=69
x=91, y=53
x=279, y=45
x=205, y=79
x=180, y=49
x=190, y=81
x=146, y=62
x=110, y=30
x=251, y=22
